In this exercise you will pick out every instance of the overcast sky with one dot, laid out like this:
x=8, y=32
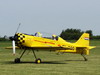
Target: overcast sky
x=51, y=16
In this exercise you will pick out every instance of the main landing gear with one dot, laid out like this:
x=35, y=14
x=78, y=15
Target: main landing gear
x=37, y=60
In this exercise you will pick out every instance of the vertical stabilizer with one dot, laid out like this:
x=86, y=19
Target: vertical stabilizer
x=83, y=40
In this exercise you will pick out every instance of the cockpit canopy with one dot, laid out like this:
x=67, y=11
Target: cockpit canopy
x=53, y=37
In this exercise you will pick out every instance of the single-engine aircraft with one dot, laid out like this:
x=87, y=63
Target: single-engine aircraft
x=56, y=43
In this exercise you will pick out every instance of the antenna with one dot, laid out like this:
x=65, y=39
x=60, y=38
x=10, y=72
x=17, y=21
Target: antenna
x=18, y=28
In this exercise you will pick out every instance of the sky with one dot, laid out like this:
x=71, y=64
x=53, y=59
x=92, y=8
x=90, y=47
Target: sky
x=51, y=16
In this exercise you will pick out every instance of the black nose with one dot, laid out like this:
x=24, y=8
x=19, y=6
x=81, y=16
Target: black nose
x=13, y=38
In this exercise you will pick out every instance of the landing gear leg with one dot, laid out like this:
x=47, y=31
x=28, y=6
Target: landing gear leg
x=38, y=60
x=17, y=60
x=85, y=59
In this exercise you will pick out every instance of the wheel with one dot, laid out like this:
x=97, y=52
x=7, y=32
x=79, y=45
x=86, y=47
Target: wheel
x=38, y=61
x=86, y=59
x=17, y=60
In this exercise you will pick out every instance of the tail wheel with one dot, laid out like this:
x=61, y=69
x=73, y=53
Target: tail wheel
x=38, y=61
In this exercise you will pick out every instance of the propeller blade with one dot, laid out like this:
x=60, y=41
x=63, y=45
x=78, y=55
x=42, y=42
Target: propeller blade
x=13, y=44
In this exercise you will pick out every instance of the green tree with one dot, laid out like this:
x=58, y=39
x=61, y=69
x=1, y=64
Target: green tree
x=71, y=34
x=90, y=33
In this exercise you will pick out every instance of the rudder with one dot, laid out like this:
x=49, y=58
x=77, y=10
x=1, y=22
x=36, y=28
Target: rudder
x=83, y=40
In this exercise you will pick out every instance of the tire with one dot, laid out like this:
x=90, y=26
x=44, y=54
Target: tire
x=38, y=61
x=17, y=60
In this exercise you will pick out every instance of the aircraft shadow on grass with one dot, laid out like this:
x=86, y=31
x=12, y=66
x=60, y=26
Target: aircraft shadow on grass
x=74, y=60
x=44, y=62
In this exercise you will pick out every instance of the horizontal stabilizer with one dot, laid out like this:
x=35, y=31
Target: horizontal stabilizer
x=92, y=47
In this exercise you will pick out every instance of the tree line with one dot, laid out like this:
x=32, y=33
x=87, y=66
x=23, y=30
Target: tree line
x=74, y=34
x=5, y=38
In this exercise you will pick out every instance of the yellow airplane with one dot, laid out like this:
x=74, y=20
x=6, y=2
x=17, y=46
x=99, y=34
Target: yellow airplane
x=55, y=43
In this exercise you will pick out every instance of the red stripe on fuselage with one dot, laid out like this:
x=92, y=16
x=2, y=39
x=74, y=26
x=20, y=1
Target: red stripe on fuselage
x=44, y=42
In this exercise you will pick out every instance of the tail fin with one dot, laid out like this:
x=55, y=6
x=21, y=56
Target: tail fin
x=83, y=40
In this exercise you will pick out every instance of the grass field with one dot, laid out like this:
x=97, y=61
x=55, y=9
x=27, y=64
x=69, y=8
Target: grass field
x=64, y=64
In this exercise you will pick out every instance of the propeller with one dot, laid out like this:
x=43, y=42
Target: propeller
x=14, y=49
x=13, y=39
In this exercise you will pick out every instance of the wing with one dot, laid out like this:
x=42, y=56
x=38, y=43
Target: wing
x=47, y=48
x=12, y=47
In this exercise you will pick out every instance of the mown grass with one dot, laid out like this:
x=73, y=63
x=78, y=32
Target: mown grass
x=64, y=64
